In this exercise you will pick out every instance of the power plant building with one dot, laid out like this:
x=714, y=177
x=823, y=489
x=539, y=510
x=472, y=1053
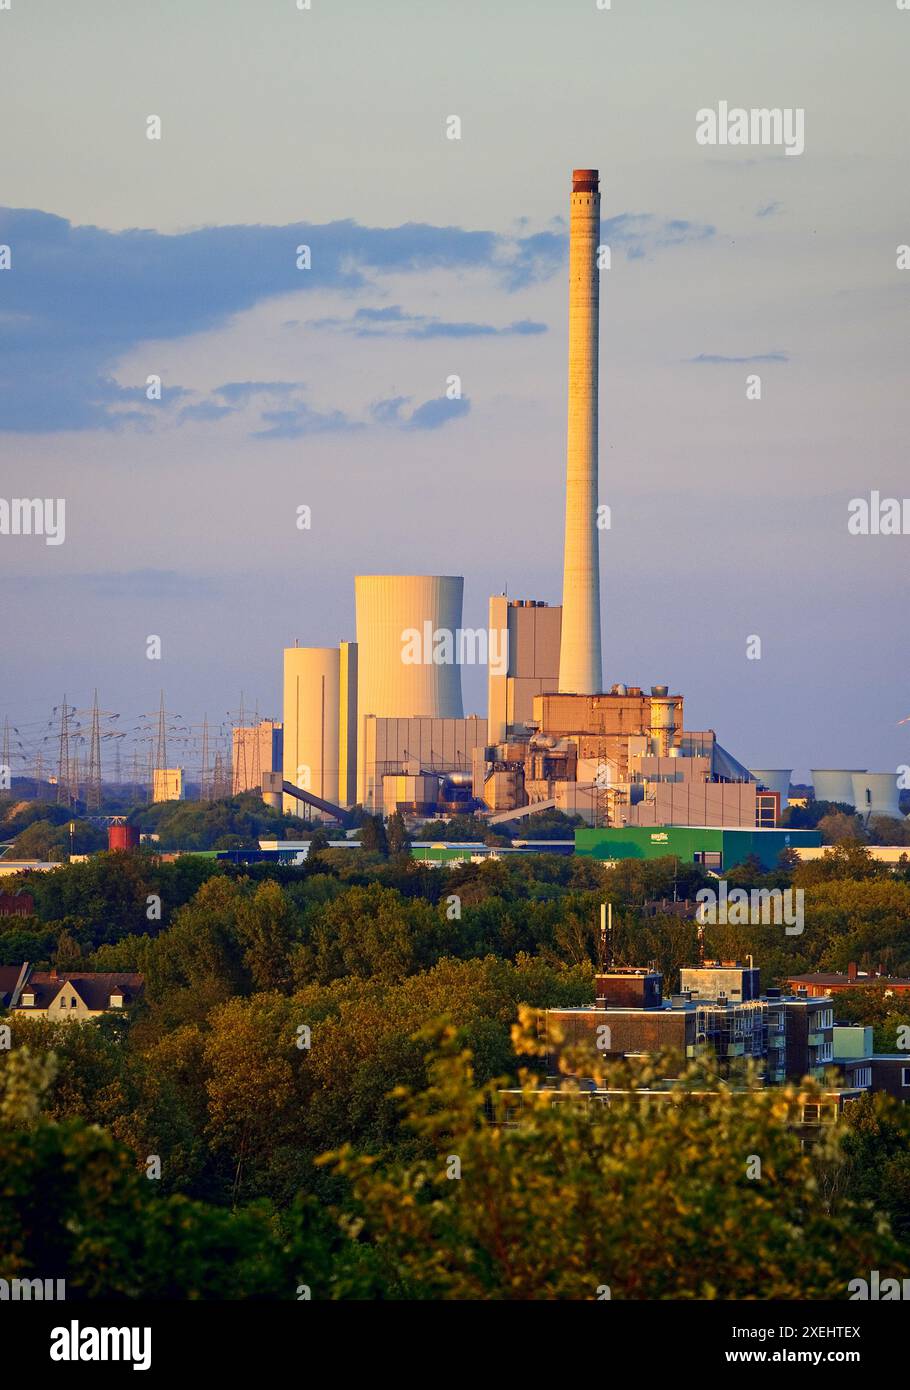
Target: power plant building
x=440, y=748
x=312, y=677
x=255, y=749
x=529, y=649
x=776, y=779
x=347, y=723
x=167, y=784
x=713, y=847
x=408, y=648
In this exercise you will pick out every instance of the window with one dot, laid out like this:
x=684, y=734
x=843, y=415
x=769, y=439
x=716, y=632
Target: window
x=28, y=1001
x=863, y=1076
x=905, y=1076
x=62, y=1002
x=73, y=1002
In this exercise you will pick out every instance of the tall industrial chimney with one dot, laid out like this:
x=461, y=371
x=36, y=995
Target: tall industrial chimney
x=580, y=663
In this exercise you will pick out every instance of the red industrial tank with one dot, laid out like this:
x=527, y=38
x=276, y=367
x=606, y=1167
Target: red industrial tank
x=123, y=837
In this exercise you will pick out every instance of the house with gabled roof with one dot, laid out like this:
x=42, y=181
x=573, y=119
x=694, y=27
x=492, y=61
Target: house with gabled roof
x=74, y=996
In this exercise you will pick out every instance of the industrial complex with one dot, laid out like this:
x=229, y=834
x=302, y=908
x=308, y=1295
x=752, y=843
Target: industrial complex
x=379, y=721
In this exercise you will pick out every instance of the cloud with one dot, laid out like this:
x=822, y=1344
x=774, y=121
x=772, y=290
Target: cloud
x=715, y=358
x=240, y=392
x=206, y=411
x=130, y=585
x=642, y=234
x=769, y=209
x=388, y=412
x=237, y=394
x=432, y=415
x=77, y=299
x=300, y=419
x=288, y=416
x=393, y=322
x=435, y=413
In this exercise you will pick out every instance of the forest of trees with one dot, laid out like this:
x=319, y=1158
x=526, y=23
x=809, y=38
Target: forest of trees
x=316, y=1044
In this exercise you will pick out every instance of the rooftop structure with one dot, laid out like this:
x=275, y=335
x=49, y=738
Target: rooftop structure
x=832, y=982
x=719, y=1008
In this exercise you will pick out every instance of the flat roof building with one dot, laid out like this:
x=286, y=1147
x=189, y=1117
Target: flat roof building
x=715, y=847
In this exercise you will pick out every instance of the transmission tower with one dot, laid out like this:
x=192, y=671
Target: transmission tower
x=246, y=744
x=118, y=739
x=161, y=750
x=239, y=778
x=93, y=770
x=64, y=765
x=205, y=785
x=158, y=732
x=6, y=767
x=256, y=784
x=135, y=779
x=221, y=779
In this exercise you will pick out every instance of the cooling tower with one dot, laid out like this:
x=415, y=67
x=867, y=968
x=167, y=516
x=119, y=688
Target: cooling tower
x=311, y=706
x=776, y=779
x=402, y=670
x=580, y=664
x=876, y=794
x=834, y=783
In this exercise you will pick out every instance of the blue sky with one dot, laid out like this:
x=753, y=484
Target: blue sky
x=327, y=387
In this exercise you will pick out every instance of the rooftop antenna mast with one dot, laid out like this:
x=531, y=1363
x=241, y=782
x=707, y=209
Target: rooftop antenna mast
x=606, y=936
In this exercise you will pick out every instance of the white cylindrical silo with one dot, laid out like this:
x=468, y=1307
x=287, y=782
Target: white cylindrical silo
x=834, y=783
x=311, y=706
x=876, y=794
x=776, y=779
x=408, y=643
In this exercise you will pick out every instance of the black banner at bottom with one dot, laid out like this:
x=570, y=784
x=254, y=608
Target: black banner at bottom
x=440, y=1340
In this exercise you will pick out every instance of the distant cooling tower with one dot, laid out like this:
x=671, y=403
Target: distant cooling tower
x=390, y=609
x=876, y=794
x=580, y=663
x=834, y=783
x=776, y=779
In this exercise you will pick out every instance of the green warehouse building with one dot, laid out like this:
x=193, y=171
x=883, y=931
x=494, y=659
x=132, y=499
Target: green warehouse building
x=714, y=847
